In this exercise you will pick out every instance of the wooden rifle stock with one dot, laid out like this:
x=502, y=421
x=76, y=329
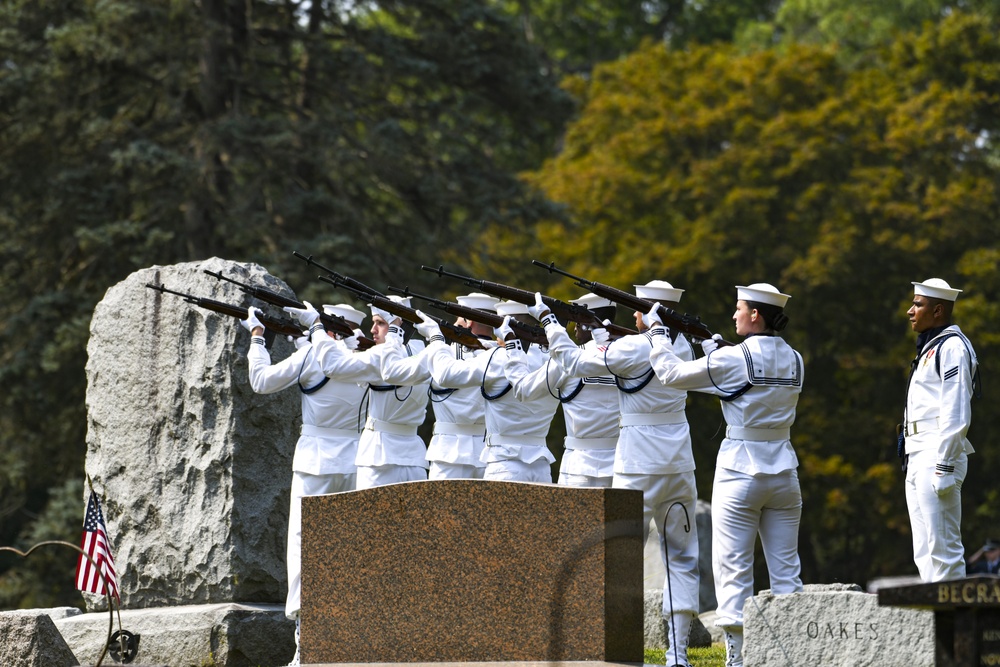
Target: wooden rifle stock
x=333, y=323
x=282, y=327
x=526, y=332
x=564, y=311
x=688, y=324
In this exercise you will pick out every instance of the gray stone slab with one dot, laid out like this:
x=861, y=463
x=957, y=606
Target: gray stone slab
x=834, y=625
x=30, y=639
x=654, y=626
x=230, y=635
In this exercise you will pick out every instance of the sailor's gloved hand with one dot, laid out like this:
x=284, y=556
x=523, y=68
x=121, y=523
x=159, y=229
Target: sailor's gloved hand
x=600, y=335
x=306, y=316
x=251, y=322
x=504, y=331
x=943, y=483
x=539, y=309
x=541, y=312
x=351, y=342
x=428, y=328
x=652, y=318
x=710, y=345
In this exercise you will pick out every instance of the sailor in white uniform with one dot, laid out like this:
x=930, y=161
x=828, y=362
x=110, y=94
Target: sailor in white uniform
x=324, y=454
x=653, y=453
x=756, y=488
x=516, y=430
x=390, y=450
x=456, y=447
x=590, y=410
x=943, y=380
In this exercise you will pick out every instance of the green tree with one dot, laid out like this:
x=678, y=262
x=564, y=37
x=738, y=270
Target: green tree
x=858, y=28
x=840, y=185
x=575, y=36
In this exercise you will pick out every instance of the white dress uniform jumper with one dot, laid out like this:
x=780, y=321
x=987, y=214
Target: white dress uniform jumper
x=327, y=447
x=756, y=487
x=653, y=455
x=389, y=451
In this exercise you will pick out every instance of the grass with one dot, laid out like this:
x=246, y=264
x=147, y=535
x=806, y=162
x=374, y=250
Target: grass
x=714, y=656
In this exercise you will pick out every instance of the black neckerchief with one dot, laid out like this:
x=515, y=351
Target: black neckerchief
x=926, y=336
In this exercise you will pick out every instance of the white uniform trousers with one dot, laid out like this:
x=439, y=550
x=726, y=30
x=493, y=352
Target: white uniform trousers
x=585, y=481
x=935, y=521
x=678, y=547
x=372, y=476
x=304, y=484
x=512, y=470
x=744, y=506
x=442, y=470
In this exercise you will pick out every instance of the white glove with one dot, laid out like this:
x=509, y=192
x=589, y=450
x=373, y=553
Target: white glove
x=538, y=310
x=504, y=329
x=652, y=318
x=710, y=345
x=306, y=316
x=600, y=336
x=298, y=341
x=351, y=342
x=251, y=322
x=541, y=312
x=943, y=483
x=427, y=328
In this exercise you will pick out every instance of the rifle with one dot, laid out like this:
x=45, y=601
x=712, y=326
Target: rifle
x=343, y=281
x=450, y=331
x=564, y=312
x=526, y=332
x=688, y=324
x=283, y=327
x=333, y=323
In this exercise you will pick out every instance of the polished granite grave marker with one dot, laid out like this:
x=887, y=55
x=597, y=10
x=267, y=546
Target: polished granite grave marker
x=472, y=570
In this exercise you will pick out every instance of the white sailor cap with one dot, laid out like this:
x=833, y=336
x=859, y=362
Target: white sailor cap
x=347, y=311
x=658, y=290
x=936, y=288
x=762, y=293
x=386, y=315
x=510, y=308
x=477, y=300
x=591, y=300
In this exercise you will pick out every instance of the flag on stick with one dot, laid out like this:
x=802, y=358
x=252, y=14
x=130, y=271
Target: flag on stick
x=97, y=545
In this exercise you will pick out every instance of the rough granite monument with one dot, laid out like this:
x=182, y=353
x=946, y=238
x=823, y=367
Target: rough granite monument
x=193, y=468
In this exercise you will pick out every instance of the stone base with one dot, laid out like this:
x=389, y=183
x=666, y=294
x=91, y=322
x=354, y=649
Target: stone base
x=834, y=625
x=230, y=635
x=30, y=639
x=516, y=663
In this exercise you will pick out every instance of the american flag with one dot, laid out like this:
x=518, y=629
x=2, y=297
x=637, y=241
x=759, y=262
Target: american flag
x=96, y=544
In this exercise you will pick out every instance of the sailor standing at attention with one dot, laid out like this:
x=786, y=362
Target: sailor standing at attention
x=943, y=379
